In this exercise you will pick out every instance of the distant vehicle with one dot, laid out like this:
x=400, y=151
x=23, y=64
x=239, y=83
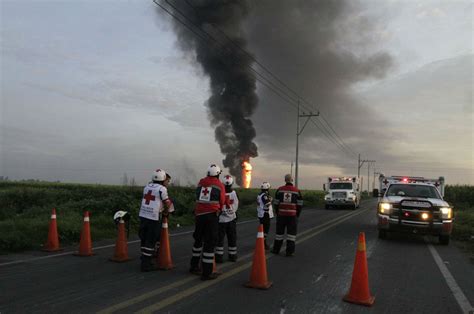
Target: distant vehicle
x=342, y=192
x=414, y=205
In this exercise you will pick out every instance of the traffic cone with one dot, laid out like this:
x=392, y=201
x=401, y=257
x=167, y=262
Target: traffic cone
x=85, y=246
x=258, y=276
x=164, y=260
x=214, y=268
x=121, y=246
x=52, y=244
x=359, y=292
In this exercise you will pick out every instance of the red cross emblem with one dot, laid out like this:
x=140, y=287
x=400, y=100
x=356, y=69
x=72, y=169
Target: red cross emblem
x=385, y=181
x=148, y=197
x=205, y=192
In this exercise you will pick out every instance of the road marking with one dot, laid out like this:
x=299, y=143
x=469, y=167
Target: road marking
x=97, y=248
x=460, y=297
x=199, y=287
x=158, y=291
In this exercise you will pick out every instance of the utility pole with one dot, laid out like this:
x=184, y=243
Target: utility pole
x=361, y=163
x=298, y=133
x=291, y=169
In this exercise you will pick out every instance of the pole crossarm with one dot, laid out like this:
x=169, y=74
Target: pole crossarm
x=308, y=116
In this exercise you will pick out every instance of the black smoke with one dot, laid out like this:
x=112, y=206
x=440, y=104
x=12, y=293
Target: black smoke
x=215, y=32
x=321, y=48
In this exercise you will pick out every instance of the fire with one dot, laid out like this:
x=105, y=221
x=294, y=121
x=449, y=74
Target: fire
x=246, y=174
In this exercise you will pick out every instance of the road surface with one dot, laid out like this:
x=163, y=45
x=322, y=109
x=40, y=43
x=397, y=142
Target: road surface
x=406, y=275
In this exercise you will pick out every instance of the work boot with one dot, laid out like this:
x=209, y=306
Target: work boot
x=233, y=258
x=290, y=254
x=147, y=265
x=212, y=276
x=218, y=258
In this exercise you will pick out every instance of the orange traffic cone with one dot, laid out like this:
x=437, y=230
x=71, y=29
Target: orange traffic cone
x=85, y=246
x=214, y=268
x=258, y=276
x=359, y=292
x=52, y=244
x=164, y=260
x=121, y=247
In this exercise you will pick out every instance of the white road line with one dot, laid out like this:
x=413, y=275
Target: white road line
x=98, y=247
x=461, y=298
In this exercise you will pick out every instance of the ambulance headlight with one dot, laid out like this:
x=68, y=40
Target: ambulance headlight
x=327, y=197
x=446, y=212
x=385, y=208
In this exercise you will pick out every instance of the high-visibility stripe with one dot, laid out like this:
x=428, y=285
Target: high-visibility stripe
x=196, y=254
x=86, y=218
x=278, y=237
x=164, y=225
x=146, y=254
x=259, y=234
x=197, y=249
x=208, y=260
x=147, y=248
x=232, y=248
x=205, y=254
x=291, y=237
x=53, y=216
x=208, y=202
x=232, y=252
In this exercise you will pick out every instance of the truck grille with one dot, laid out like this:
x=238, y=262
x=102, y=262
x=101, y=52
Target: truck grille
x=339, y=194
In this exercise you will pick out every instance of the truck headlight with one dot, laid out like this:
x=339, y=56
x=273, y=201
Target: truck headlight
x=327, y=197
x=425, y=216
x=446, y=212
x=385, y=208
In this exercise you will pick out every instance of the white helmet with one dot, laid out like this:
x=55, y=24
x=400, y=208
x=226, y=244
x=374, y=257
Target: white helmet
x=228, y=180
x=213, y=170
x=121, y=215
x=265, y=186
x=158, y=175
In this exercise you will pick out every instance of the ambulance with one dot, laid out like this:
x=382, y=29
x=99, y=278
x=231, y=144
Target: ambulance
x=342, y=192
x=414, y=205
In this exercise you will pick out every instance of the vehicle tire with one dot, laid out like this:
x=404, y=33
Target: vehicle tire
x=327, y=206
x=382, y=234
x=444, y=239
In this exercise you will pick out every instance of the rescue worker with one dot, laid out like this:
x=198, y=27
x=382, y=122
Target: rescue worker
x=289, y=203
x=265, y=210
x=155, y=203
x=210, y=200
x=228, y=223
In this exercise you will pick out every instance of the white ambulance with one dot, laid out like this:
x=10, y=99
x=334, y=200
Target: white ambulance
x=414, y=205
x=342, y=192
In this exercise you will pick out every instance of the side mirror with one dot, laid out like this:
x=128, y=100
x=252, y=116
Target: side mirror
x=375, y=193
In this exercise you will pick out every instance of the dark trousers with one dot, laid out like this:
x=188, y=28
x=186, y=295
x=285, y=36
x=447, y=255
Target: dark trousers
x=289, y=223
x=205, y=238
x=149, y=233
x=229, y=229
x=265, y=221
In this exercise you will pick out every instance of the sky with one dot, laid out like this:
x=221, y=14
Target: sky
x=91, y=90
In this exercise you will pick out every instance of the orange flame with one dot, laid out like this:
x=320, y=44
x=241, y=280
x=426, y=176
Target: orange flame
x=246, y=174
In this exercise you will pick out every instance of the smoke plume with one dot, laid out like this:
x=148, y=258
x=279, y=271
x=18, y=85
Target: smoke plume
x=320, y=48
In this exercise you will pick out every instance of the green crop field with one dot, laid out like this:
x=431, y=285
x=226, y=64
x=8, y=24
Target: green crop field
x=25, y=210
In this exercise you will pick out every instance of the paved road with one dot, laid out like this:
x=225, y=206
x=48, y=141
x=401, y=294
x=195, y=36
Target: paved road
x=411, y=275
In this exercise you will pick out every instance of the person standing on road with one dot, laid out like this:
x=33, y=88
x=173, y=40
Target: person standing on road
x=210, y=200
x=155, y=203
x=265, y=210
x=228, y=223
x=289, y=203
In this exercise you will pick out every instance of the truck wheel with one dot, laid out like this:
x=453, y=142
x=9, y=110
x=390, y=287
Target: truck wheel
x=444, y=239
x=382, y=234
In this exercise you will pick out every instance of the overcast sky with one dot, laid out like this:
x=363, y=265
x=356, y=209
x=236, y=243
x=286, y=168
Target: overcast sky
x=91, y=90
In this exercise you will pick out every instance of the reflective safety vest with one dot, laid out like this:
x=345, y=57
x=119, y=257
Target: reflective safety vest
x=288, y=200
x=154, y=197
x=264, y=205
x=210, y=196
x=231, y=206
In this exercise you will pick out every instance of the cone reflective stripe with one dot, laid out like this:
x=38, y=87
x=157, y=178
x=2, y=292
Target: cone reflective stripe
x=121, y=246
x=85, y=246
x=258, y=275
x=359, y=292
x=164, y=260
x=52, y=243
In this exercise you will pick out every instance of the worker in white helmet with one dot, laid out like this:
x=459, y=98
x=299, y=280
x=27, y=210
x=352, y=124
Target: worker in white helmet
x=265, y=210
x=210, y=201
x=228, y=223
x=155, y=203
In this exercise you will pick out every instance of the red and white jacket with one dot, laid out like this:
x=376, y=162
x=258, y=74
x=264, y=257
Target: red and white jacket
x=210, y=196
x=288, y=200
